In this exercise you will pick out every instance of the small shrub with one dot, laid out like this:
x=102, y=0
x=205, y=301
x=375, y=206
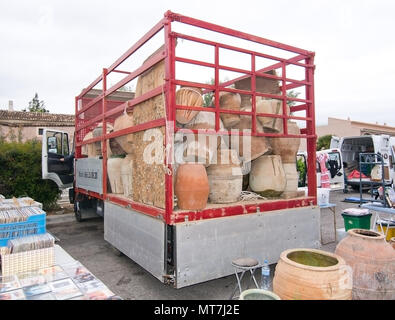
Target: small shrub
x=20, y=173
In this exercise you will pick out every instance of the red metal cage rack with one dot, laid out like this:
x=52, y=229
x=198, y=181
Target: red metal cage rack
x=105, y=107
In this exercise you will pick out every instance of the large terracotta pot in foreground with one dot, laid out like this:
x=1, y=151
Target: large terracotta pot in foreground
x=310, y=274
x=191, y=186
x=372, y=261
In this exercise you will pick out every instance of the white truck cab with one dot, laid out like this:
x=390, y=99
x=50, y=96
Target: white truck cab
x=352, y=146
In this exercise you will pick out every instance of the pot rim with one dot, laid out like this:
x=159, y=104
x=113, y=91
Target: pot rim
x=359, y=233
x=266, y=292
x=340, y=260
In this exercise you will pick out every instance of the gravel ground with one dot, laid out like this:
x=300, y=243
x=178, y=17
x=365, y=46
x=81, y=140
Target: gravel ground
x=84, y=242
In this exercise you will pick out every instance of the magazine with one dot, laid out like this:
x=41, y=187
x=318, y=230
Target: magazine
x=84, y=277
x=91, y=285
x=8, y=283
x=31, y=278
x=100, y=294
x=64, y=289
x=53, y=273
x=36, y=289
x=13, y=295
x=75, y=269
x=44, y=296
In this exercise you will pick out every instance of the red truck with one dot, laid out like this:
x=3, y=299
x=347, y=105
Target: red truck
x=184, y=247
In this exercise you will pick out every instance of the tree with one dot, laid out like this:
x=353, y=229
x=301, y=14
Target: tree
x=324, y=142
x=35, y=105
x=292, y=94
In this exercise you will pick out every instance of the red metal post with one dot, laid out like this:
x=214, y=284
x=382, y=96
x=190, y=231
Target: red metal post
x=170, y=116
x=253, y=96
x=216, y=84
x=284, y=98
x=310, y=126
x=104, y=132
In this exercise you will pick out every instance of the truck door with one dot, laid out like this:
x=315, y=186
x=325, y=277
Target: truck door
x=392, y=160
x=57, y=162
x=334, y=164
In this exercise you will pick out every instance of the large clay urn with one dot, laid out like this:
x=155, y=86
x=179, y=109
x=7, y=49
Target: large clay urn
x=249, y=147
x=229, y=101
x=225, y=177
x=191, y=97
x=372, y=261
x=126, y=141
x=270, y=106
x=114, y=169
x=287, y=148
x=202, y=147
x=191, y=186
x=267, y=176
x=311, y=274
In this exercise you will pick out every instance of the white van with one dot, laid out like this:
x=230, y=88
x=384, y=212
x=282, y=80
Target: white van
x=351, y=147
x=334, y=164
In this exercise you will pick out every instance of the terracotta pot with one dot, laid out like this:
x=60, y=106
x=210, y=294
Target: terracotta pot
x=271, y=106
x=229, y=101
x=114, y=166
x=263, y=85
x=127, y=175
x=188, y=96
x=225, y=177
x=291, y=177
x=191, y=186
x=310, y=274
x=267, y=176
x=206, y=144
x=97, y=132
x=372, y=261
x=287, y=148
x=249, y=147
x=126, y=141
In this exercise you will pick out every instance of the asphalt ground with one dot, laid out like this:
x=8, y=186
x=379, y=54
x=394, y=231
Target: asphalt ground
x=84, y=241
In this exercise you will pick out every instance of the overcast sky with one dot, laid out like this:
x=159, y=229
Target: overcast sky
x=57, y=47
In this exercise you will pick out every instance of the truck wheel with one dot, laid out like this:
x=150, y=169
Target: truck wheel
x=77, y=211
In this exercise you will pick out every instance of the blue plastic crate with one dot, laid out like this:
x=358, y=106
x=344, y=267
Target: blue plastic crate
x=33, y=225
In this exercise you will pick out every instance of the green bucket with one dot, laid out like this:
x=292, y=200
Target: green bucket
x=356, y=222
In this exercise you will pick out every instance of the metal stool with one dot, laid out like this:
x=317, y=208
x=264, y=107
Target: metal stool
x=243, y=265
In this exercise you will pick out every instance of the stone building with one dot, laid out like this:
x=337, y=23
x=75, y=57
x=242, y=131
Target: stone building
x=21, y=126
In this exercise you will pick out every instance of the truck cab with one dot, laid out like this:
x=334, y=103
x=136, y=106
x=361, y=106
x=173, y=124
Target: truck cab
x=57, y=159
x=352, y=146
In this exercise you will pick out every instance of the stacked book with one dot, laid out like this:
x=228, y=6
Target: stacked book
x=24, y=243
